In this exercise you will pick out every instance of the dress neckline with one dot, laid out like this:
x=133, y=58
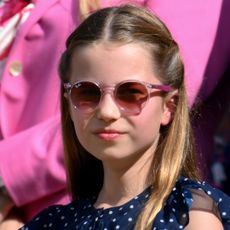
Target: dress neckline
x=140, y=198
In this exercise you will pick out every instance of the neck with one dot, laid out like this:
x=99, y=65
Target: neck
x=123, y=182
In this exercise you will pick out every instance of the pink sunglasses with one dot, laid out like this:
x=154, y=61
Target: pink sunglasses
x=130, y=96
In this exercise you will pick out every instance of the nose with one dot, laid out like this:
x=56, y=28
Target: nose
x=107, y=109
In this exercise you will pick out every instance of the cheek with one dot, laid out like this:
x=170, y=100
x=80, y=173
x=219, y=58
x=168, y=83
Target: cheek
x=82, y=126
x=82, y=134
x=80, y=123
x=152, y=114
x=147, y=124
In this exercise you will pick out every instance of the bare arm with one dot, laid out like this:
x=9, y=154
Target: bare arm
x=199, y=220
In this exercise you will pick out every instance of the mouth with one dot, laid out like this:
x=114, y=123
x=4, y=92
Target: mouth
x=108, y=134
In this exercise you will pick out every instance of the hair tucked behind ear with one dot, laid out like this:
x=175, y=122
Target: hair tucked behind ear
x=175, y=153
x=174, y=156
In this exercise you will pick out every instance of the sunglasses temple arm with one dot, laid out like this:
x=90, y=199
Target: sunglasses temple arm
x=165, y=88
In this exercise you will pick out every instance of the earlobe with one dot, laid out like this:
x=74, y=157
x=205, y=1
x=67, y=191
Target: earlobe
x=170, y=104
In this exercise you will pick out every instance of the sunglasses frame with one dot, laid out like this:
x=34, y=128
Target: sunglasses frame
x=112, y=89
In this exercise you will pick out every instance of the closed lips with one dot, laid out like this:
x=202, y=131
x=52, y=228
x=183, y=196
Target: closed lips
x=108, y=134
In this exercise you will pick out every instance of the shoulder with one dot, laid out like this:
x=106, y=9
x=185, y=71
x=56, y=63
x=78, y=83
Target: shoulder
x=204, y=212
x=207, y=206
x=190, y=201
x=200, y=219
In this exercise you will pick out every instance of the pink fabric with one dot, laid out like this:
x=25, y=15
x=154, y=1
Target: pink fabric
x=9, y=27
x=11, y=8
x=31, y=154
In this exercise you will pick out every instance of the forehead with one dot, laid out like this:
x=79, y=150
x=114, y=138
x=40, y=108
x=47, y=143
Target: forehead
x=115, y=60
x=112, y=48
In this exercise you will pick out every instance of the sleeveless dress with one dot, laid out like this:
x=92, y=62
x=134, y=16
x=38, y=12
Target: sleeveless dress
x=186, y=195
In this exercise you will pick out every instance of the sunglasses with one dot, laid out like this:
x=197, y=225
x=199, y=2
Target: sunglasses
x=130, y=96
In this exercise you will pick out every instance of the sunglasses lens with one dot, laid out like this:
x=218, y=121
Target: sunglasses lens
x=85, y=96
x=131, y=97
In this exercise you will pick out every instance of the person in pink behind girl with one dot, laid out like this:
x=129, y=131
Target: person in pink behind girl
x=31, y=154
x=32, y=35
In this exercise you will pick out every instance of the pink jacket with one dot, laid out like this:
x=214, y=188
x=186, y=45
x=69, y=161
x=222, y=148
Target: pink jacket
x=31, y=154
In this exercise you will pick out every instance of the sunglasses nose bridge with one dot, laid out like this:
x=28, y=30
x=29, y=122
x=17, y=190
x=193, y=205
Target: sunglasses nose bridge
x=107, y=90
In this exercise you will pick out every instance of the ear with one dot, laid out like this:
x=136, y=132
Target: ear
x=169, y=106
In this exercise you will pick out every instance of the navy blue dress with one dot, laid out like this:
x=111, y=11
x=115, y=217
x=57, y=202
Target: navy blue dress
x=186, y=195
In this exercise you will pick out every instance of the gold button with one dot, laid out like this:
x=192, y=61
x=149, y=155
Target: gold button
x=15, y=68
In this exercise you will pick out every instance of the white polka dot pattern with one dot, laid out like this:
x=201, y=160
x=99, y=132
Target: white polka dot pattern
x=82, y=215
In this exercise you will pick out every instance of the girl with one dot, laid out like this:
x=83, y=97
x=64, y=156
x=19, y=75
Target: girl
x=128, y=144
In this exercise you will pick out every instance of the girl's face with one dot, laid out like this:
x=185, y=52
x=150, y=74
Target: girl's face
x=107, y=133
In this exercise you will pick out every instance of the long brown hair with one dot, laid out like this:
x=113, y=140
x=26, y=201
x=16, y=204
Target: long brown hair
x=175, y=153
